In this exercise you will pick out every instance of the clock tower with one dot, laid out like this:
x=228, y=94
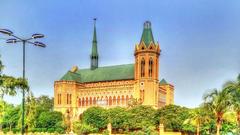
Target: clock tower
x=147, y=68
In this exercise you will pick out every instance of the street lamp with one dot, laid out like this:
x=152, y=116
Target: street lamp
x=17, y=39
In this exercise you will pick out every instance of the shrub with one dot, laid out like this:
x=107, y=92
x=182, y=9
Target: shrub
x=60, y=130
x=139, y=132
x=5, y=130
x=105, y=132
x=50, y=130
x=16, y=130
x=80, y=128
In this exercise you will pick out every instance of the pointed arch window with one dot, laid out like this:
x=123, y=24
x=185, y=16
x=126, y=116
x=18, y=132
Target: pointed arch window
x=79, y=102
x=150, y=71
x=142, y=68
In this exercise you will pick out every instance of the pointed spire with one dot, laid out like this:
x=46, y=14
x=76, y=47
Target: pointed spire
x=147, y=36
x=94, y=55
x=95, y=32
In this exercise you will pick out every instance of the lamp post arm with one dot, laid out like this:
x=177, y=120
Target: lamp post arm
x=17, y=37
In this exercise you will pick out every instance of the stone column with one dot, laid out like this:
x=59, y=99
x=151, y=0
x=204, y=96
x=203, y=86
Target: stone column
x=109, y=128
x=161, y=129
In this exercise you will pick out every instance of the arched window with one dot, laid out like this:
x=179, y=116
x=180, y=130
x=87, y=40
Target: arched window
x=83, y=101
x=114, y=100
x=127, y=98
x=90, y=101
x=150, y=70
x=79, y=102
x=142, y=68
x=118, y=100
x=123, y=100
x=106, y=100
x=94, y=101
x=110, y=101
x=87, y=101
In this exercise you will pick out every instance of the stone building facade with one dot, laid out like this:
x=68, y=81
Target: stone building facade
x=112, y=86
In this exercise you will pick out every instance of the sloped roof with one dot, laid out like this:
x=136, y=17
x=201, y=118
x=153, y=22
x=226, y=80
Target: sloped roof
x=108, y=73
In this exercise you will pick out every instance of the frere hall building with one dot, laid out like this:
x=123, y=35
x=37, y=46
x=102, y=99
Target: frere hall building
x=111, y=86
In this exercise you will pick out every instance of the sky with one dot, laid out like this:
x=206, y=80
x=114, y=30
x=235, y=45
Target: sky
x=199, y=39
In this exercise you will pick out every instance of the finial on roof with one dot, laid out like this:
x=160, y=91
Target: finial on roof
x=74, y=69
x=147, y=25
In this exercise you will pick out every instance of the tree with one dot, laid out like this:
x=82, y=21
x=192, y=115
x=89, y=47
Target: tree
x=96, y=117
x=118, y=117
x=140, y=117
x=217, y=102
x=9, y=84
x=10, y=117
x=31, y=111
x=45, y=103
x=198, y=116
x=172, y=117
x=233, y=87
x=49, y=120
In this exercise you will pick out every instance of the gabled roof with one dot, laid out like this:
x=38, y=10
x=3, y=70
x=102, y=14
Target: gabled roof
x=108, y=73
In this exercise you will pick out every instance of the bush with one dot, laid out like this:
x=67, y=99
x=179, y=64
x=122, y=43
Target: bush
x=80, y=128
x=16, y=130
x=105, y=132
x=150, y=130
x=137, y=133
x=50, y=130
x=5, y=130
x=60, y=130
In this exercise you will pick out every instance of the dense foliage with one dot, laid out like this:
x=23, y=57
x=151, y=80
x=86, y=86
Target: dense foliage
x=40, y=116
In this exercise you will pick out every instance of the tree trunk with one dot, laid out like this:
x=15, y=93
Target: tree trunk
x=238, y=121
x=238, y=118
x=198, y=129
x=218, y=128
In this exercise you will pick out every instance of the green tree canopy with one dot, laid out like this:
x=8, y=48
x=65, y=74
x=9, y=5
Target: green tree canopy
x=172, y=116
x=96, y=117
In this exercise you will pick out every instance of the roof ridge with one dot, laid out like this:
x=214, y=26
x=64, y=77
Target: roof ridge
x=108, y=66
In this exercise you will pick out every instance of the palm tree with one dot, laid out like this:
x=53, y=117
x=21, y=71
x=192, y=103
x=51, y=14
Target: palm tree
x=217, y=102
x=233, y=87
x=198, y=117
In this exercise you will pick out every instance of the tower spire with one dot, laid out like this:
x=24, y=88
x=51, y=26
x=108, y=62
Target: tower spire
x=94, y=55
x=147, y=36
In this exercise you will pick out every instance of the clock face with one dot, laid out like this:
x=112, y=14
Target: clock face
x=141, y=85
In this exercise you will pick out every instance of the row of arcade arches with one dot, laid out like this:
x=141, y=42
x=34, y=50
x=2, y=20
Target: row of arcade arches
x=104, y=101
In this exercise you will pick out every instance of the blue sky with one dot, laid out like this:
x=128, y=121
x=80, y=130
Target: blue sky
x=200, y=40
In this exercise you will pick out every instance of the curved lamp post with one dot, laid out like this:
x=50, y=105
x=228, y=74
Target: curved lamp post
x=16, y=39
